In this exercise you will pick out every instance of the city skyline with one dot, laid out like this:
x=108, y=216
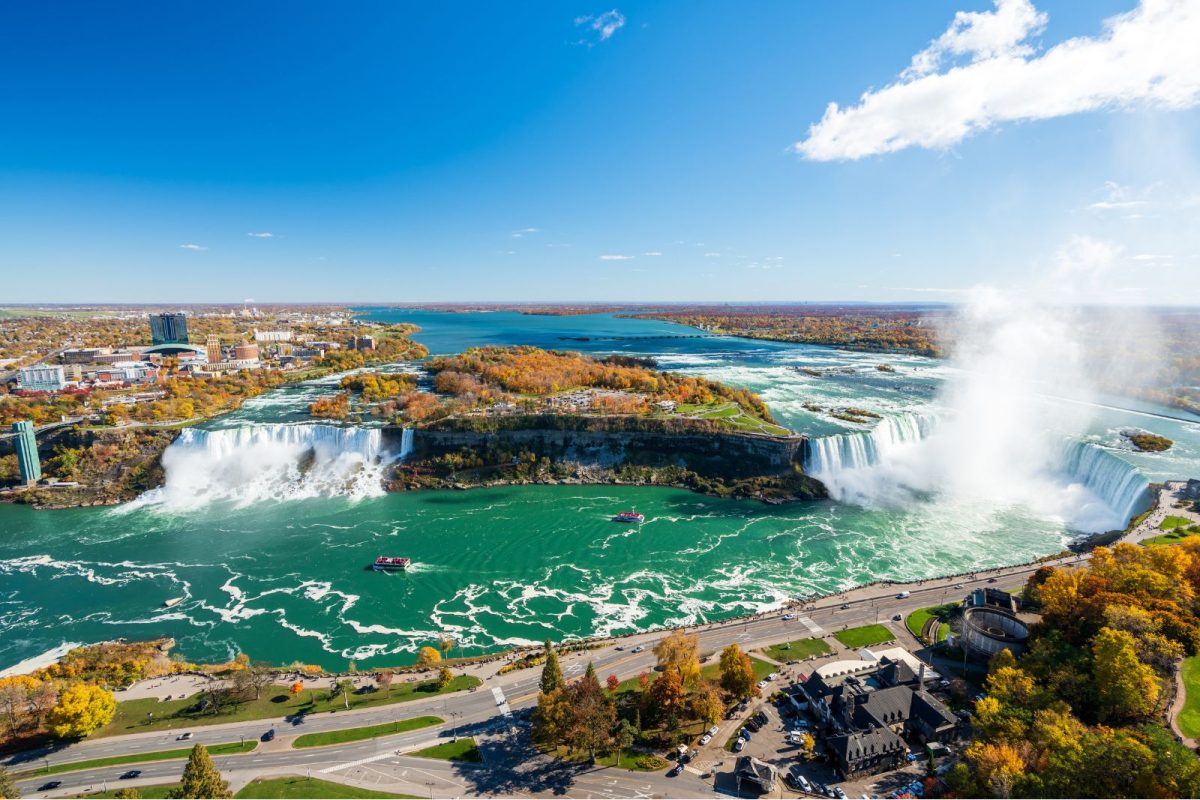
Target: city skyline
x=641, y=153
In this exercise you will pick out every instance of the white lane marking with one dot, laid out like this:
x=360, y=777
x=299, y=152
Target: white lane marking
x=813, y=627
x=498, y=693
x=359, y=762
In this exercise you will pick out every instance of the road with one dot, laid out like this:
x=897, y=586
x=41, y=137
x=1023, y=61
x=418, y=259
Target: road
x=470, y=711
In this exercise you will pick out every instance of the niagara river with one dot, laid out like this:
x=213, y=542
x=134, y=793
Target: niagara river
x=267, y=519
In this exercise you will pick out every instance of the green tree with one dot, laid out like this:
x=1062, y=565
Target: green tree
x=552, y=677
x=81, y=709
x=8, y=788
x=201, y=778
x=1126, y=688
x=128, y=793
x=626, y=735
x=553, y=717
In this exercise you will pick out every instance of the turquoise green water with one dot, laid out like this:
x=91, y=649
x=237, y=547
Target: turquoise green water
x=269, y=569
x=286, y=581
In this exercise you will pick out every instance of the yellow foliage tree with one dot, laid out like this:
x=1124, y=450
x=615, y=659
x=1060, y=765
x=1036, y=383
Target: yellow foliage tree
x=1125, y=687
x=996, y=766
x=680, y=651
x=81, y=709
x=428, y=655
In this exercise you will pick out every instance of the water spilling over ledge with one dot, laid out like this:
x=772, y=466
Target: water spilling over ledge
x=901, y=462
x=280, y=461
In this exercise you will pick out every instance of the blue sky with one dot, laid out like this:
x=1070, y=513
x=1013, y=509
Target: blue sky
x=581, y=151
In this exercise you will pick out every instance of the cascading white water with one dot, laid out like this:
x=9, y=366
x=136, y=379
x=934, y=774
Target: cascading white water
x=829, y=455
x=902, y=460
x=255, y=463
x=1113, y=480
x=406, y=443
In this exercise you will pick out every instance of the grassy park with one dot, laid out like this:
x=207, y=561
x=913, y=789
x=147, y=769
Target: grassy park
x=865, y=635
x=151, y=714
x=1189, y=717
x=915, y=622
x=798, y=649
x=295, y=786
x=343, y=735
x=464, y=749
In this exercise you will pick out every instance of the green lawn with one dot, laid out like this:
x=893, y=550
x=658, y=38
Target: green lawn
x=465, y=749
x=157, y=792
x=137, y=758
x=368, y=732
x=915, y=622
x=865, y=636
x=1175, y=536
x=1189, y=717
x=634, y=761
x=1172, y=522
x=303, y=788
x=800, y=648
x=713, y=671
x=276, y=701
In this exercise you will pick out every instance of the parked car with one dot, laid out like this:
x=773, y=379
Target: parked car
x=269, y=735
x=739, y=745
x=133, y=773
x=713, y=730
x=744, y=734
x=49, y=785
x=675, y=770
x=183, y=737
x=773, y=676
x=705, y=739
x=897, y=617
x=838, y=793
x=762, y=718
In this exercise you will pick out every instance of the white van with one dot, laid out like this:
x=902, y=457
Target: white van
x=902, y=595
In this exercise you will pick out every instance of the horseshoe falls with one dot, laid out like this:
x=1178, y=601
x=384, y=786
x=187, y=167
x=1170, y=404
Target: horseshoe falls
x=906, y=459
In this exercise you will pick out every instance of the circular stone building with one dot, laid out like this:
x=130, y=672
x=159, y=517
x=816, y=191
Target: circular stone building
x=987, y=630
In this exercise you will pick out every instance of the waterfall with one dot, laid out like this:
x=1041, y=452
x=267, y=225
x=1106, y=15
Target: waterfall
x=905, y=460
x=1111, y=479
x=830, y=455
x=406, y=443
x=261, y=462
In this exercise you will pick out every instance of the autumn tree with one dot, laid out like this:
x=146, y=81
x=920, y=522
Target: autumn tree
x=667, y=694
x=201, y=779
x=444, y=679
x=594, y=716
x=612, y=682
x=706, y=703
x=737, y=672
x=385, y=679
x=1125, y=687
x=428, y=656
x=680, y=651
x=81, y=709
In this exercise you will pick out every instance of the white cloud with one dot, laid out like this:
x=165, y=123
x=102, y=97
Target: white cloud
x=652, y=253
x=524, y=232
x=195, y=248
x=262, y=235
x=603, y=26
x=615, y=258
x=1147, y=57
x=712, y=255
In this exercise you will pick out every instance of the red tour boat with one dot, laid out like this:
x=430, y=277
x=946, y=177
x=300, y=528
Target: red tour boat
x=630, y=516
x=390, y=563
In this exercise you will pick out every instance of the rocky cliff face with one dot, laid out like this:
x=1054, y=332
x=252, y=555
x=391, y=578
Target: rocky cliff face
x=720, y=463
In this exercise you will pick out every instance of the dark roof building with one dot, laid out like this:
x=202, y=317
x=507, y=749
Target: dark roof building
x=867, y=752
x=752, y=770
